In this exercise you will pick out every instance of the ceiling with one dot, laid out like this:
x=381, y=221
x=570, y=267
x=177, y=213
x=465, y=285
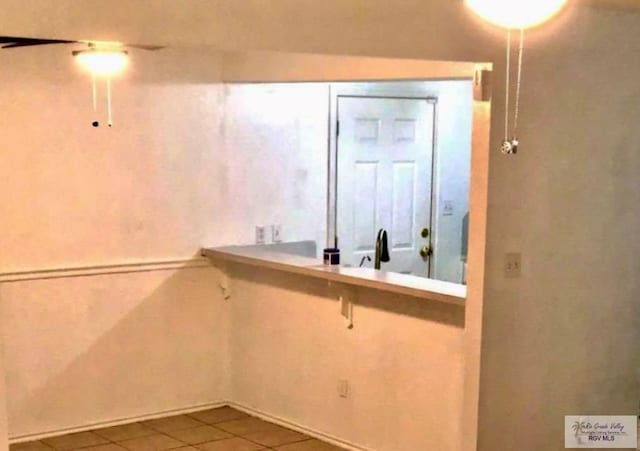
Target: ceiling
x=402, y=28
x=622, y=4
x=331, y=26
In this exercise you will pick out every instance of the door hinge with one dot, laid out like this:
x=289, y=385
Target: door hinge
x=337, y=128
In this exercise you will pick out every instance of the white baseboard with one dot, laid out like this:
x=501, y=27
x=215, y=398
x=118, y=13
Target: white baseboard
x=299, y=428
x=116, y=422
x=190, y=409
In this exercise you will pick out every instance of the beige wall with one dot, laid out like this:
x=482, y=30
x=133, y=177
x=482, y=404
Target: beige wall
x=106, y=347
x=275, y=155
x=403, y=361
x=130, y=192
x=475, y=272
x=274, y=66
x=565, y=338
x=4, y=434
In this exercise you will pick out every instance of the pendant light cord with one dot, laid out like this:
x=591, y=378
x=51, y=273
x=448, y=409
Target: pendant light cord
x=109, y=115
x=507, y=109
x=507, y=89
x=518, y=84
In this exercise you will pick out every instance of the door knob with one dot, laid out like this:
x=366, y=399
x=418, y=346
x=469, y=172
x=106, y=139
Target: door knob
x=425, y=251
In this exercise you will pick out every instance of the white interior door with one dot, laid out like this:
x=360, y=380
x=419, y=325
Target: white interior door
x=384, y=179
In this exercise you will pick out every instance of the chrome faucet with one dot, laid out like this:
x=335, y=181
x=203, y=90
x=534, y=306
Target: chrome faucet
x=382, y=249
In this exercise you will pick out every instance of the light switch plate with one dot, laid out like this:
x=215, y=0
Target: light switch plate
x=513, y=265
x=260, y=235
x=276, y=233
x=447, y=209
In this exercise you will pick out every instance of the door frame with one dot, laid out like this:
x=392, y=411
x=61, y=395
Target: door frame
x=374, y=90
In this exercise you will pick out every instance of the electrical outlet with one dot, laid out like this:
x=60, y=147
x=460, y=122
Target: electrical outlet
x=260, y=235
x=343, y=388
x=513, y=265
x=276, y=233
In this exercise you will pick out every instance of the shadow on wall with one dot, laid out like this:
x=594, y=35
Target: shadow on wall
x=425, y=309
x=107, y=347
x=86, y=350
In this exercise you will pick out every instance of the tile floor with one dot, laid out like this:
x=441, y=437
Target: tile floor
x=222, y=429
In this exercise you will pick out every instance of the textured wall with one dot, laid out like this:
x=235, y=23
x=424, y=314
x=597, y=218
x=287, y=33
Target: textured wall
x=85, y=350
x=565, y=338
x=275, y=154
x=403, y=361
x=81, y=350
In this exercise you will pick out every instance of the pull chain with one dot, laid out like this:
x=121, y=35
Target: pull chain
x=518, y=85
x=109, y=114
x=508, y=87
x=94, y=92
x=510, y=145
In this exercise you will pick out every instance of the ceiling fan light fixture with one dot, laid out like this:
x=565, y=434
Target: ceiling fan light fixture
x=102, y=62
x=516, y=14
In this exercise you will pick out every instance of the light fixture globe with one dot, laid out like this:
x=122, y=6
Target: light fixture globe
x=516, y=14
x=102, y=62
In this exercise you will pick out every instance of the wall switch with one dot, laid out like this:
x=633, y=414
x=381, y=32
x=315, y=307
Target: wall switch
x=343, y=388
x=513, y=265
x=276, y=233
x=260, y=235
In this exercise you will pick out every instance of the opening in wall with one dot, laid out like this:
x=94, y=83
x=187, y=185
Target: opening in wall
x=387, y=180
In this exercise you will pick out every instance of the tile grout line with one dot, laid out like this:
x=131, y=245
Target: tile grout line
x=169, y=434
x=235, y=435
x=122, y=421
